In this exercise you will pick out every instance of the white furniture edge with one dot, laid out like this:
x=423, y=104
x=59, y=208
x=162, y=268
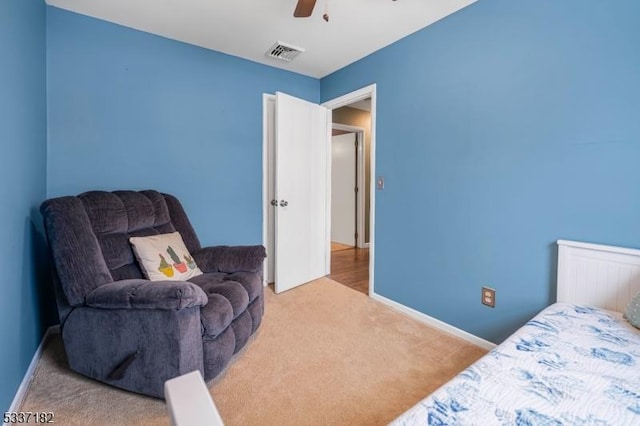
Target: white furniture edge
x=435, y=323
x=597, y=275
x=599, y=247
x=189, y=402
x=28, y=376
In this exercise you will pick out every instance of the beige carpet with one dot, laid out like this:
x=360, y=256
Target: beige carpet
x=324, y=354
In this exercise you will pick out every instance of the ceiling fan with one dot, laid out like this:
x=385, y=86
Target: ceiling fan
x=304, y=8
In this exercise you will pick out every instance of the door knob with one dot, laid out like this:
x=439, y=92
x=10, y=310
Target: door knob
x=284, y=203
x=274, y=203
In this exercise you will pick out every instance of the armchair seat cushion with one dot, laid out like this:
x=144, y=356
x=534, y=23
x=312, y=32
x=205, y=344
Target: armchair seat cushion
x=250, y=281
x=217, y=284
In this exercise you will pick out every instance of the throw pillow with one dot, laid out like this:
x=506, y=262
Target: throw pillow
x=632, y=314
x=164, y=257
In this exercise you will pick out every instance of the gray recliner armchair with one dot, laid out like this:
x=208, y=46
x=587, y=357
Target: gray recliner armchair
x=121, y=329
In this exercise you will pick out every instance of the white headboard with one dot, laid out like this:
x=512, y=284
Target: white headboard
x=597, y=275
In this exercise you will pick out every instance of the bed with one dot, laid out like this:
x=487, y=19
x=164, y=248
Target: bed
x=575, y=363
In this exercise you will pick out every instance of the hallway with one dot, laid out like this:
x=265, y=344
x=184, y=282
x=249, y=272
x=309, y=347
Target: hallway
x=350, y=266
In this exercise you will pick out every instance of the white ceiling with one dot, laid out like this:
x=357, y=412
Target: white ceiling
x=248, y=28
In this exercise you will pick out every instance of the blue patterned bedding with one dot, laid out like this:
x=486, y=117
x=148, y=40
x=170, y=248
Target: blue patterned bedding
x=569, y=365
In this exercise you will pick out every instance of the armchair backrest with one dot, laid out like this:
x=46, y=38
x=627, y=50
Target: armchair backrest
x=89, y=235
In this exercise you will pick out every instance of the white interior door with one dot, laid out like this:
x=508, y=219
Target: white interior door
x=343, y=188
x=301, y=222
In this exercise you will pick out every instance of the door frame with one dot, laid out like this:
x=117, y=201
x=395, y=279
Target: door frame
x=267, y=150
x=360, y=182
x=346, y=100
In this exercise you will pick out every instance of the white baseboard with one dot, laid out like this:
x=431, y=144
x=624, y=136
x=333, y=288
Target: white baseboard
x=24, y=386
x=435, y=323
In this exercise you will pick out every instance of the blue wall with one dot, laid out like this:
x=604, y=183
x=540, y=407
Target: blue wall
x=501, y=129
x=132, y=110
x=22, y=188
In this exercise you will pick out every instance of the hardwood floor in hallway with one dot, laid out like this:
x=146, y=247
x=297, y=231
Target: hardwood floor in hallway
x=350, y=266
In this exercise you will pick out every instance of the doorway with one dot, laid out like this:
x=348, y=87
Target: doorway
x=350, y=168
x=367, y=94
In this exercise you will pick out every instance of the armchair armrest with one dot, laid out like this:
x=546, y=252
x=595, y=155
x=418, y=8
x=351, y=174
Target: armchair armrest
x=145, y=294
x=230, y=259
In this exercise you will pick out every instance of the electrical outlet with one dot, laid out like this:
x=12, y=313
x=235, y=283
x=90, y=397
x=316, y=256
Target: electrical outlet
x=489, y=297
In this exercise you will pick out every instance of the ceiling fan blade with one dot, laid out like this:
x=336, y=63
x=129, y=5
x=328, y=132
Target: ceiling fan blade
x=304, y=8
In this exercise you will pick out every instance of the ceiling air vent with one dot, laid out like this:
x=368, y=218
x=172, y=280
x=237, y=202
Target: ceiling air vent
x=284, y=51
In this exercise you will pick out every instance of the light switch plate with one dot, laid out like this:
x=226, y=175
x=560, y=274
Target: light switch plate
x=380, y=182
